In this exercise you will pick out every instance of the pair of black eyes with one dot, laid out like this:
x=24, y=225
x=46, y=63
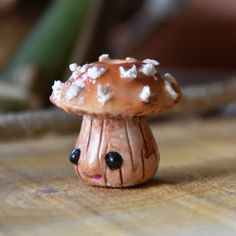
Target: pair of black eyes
x=113, y=159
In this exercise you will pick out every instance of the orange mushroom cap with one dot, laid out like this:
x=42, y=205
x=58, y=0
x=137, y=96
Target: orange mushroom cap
x=116, y=88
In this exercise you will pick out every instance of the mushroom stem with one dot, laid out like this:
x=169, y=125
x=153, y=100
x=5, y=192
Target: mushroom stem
x=131, y=138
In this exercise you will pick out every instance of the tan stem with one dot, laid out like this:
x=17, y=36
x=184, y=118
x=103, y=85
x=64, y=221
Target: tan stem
x=130, y=137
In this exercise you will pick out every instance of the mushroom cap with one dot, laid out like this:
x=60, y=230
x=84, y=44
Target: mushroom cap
x=116, y=88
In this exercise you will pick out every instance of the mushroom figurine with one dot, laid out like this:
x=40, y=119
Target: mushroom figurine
x=116, y=147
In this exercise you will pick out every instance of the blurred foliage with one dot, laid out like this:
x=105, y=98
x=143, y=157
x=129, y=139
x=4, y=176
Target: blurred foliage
x=49, y=45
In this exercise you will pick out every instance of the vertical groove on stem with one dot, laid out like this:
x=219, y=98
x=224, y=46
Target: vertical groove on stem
x=121, y=177
x=143, y=136
x=143, y=167
x=100, y=142
x=129, y=145
x=89, y=133
x=105, y=172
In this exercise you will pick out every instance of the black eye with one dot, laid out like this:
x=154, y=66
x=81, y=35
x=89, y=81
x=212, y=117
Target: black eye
x=74, y=156
x=113, y=160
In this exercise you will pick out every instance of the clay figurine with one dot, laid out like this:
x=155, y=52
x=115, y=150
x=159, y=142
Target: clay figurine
x=115, y=147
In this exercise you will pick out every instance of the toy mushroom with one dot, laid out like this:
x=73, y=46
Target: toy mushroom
x=115, y=147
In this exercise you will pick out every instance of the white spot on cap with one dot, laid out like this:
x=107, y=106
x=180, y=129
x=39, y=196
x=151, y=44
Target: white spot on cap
x=72, y=92
x=104, y=93
x=170, y=78
x=129, y=74
x=83, y=68
x=57, y=89
x=57, y=85
x=73, y=67
x=151, y=61
x=95, y=72
x=104, y=57
x=130, y=59
x=75, y=73
x=170, y=90
x=148, y=69
x=80, y=82
x=145, y=94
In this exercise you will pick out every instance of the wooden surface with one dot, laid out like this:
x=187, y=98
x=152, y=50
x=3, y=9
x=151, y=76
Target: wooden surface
x=194, y=192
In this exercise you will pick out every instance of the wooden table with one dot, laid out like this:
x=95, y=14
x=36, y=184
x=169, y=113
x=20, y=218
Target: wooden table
x=194, y=192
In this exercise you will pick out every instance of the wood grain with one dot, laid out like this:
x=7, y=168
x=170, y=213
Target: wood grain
x=194, y=192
